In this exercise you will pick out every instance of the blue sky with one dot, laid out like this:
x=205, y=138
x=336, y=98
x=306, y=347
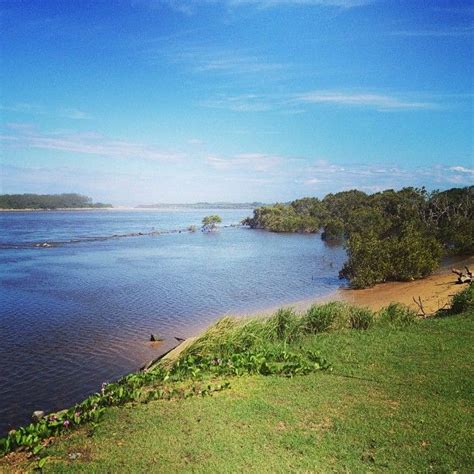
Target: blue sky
x=139, y=101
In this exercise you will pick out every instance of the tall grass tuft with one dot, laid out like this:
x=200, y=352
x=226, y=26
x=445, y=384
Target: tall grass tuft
x=361, y=318
x=397, y=315
x=326, y=317
x=231, y=336
x=284, y=326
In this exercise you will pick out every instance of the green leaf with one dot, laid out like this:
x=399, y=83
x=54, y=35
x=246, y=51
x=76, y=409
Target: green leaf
x=37, y=449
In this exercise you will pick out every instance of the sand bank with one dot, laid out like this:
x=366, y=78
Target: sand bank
x=435, y=291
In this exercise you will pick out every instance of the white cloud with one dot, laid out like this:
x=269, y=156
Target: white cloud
x=312, y=181
x=239, y=103
x=190, y=7
x=88, y=143
x=201, y=59
x=441, y=32
x=36, y=109
x=369, y=100
x=75, y=114
x=462, y=169
x=196, y=141
x=295, y=103
x=296, y=3
x=260, y=162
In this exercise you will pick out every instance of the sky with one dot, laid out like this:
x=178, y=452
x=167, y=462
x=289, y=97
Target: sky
x=144, y=101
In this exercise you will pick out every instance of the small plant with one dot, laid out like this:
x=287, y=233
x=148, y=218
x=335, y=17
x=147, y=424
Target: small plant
x=192, y=228
x=209, y=223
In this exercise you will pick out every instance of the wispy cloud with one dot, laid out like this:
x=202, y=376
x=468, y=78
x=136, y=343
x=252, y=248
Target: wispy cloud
x=460, y=31
x=24, y=107
x=201, y=59
x=462, y=169
x=88, y=143
x=239, y=103
x=75, y=114
x=298, y=3
x=36, y=109
x=260, y=162
x=369, y=100
x=190, y=7
x=295, y=103
x=324, y=176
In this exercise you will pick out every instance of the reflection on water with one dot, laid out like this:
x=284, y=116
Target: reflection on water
x=74, y=316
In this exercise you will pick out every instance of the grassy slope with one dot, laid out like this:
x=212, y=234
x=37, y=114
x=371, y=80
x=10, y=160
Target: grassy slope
x=397, y=400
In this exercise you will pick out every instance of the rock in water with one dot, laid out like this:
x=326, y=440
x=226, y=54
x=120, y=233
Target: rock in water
x=37, y=415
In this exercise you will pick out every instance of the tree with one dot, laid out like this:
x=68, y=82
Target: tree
x=209, y=223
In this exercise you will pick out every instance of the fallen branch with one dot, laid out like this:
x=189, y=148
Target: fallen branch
x=469, y=273
x=462, y=278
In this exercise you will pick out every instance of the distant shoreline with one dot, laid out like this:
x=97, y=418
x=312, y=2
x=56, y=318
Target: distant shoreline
x=126, y=208
x=60, y=209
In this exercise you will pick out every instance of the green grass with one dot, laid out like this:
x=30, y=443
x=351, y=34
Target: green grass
x=399, y=398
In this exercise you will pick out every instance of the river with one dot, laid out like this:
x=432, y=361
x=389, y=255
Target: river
x=79, y=310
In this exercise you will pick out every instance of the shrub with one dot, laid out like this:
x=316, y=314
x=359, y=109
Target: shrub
x=463, y=301
x=209, y=223
x=398, y=315
x=333, y=229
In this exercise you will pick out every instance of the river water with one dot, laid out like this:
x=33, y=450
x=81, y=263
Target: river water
x=79, y=310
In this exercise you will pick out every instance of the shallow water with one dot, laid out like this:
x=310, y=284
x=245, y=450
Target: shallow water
x=76, y=314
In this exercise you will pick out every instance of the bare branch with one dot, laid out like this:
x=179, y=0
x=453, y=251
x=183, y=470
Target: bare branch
x=419, y=303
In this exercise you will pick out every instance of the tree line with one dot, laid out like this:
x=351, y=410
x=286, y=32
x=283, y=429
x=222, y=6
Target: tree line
x=389, y=235
x=48, y=201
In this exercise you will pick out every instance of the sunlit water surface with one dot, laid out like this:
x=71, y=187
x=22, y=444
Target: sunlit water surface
x=81, y=311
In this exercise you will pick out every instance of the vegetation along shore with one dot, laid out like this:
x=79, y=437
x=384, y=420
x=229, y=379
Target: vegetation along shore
x=337, y=386
x=65, y=201
x=389, y=236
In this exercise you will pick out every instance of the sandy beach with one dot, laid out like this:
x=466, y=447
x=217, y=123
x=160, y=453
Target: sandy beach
x=435, y=291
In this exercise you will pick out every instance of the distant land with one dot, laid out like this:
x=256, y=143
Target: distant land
x=203, y=205
x=49, y=201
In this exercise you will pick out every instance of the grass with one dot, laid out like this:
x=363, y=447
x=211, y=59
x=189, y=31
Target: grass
x=398, y=398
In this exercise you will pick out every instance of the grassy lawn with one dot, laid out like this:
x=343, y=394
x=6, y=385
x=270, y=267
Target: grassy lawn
x=396, y=400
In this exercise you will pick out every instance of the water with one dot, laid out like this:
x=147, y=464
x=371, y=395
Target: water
x=81, y=311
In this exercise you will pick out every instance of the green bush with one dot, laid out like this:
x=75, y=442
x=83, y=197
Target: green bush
x=463, y=301
x=390, y=235
x=282, y=218
x=397, y=315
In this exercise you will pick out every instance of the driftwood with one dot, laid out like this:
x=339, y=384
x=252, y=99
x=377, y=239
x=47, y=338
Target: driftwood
x=469, y=273
x=463, y=277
